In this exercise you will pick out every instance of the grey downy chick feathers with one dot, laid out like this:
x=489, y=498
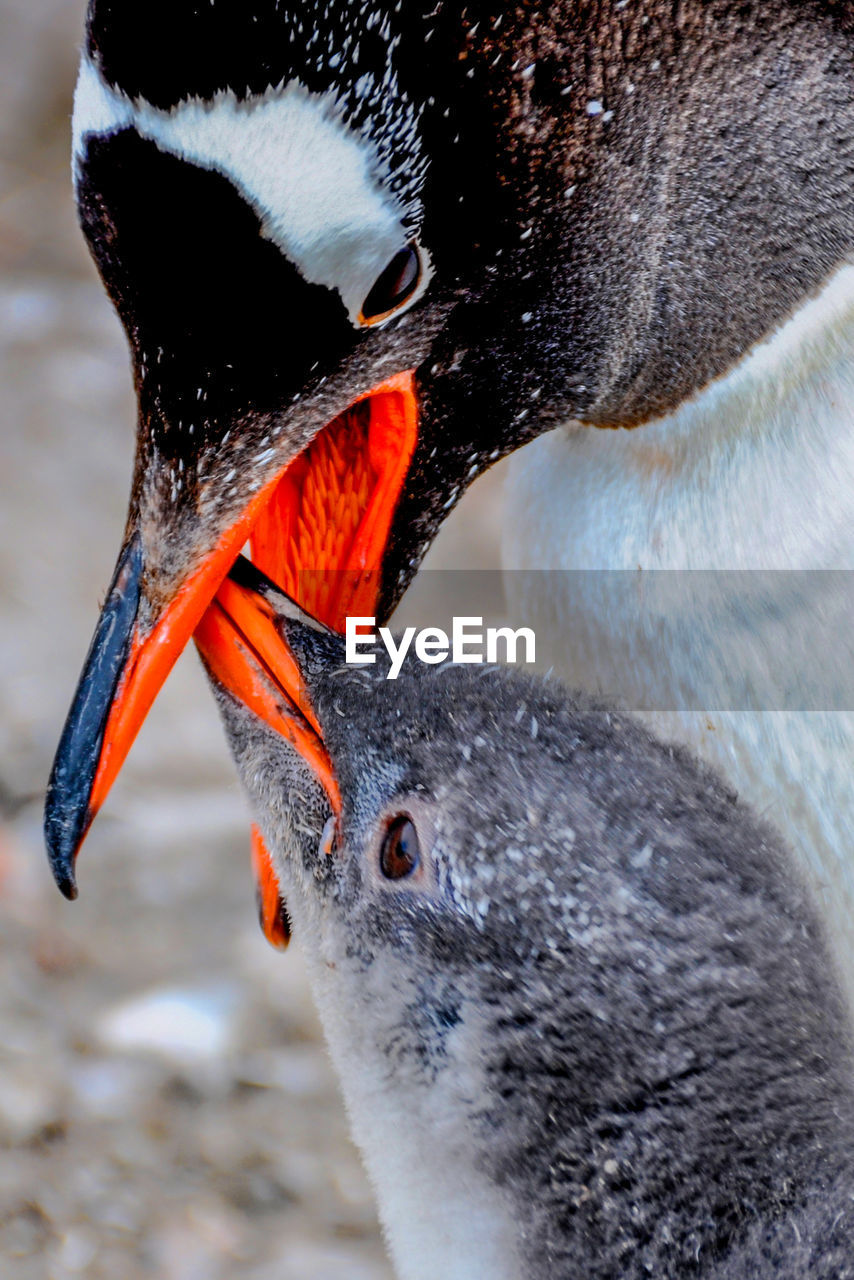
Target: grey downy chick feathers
x=592, y=1031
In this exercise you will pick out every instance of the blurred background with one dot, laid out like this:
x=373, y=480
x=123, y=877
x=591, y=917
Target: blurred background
x=166, y=1105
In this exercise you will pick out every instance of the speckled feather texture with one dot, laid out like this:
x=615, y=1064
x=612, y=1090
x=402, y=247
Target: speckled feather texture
x=599, y=1034
x=617, y=202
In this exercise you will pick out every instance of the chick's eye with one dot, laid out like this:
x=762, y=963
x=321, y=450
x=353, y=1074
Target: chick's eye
x=400, y=853
x=396, y=284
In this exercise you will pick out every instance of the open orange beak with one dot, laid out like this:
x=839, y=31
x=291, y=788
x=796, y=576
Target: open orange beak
x=246, y=652
x=319, y=530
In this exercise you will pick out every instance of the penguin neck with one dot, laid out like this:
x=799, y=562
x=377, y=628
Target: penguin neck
x=441, y=1213
x=756, y=471
x=497, y=1164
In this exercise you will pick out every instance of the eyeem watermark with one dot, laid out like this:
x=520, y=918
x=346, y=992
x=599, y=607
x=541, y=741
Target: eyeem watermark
x=469, y=641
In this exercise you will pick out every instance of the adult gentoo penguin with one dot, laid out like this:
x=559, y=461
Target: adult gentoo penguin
x=362, y=249
x=580, y=1007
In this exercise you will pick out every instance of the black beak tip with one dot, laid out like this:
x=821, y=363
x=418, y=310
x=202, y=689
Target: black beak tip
x=68, y=813
x=67, y=885
x=63, y=833
x=248, y=575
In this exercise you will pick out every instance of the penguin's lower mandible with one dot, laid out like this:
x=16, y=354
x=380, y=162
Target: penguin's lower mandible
x=583, y=1014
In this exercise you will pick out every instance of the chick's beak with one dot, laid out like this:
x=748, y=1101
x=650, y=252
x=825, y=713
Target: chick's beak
x=330, y=508
x=246, y=651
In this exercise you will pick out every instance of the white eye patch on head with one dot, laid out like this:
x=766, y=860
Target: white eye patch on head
x=317, y=185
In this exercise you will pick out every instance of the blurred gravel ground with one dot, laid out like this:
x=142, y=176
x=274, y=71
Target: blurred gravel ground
x=166, y=1106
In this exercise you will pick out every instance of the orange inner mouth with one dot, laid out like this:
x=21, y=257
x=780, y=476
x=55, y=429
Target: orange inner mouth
x=322, y=534
x=315, y=514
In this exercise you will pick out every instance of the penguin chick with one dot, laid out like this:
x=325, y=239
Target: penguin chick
x=582, y=1012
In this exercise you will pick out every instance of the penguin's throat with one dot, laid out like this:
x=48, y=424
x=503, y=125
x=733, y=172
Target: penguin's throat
x=323, y=533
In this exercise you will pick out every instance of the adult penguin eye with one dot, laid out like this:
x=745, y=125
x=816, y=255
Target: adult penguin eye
x=395, y=286
x=400, y=854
